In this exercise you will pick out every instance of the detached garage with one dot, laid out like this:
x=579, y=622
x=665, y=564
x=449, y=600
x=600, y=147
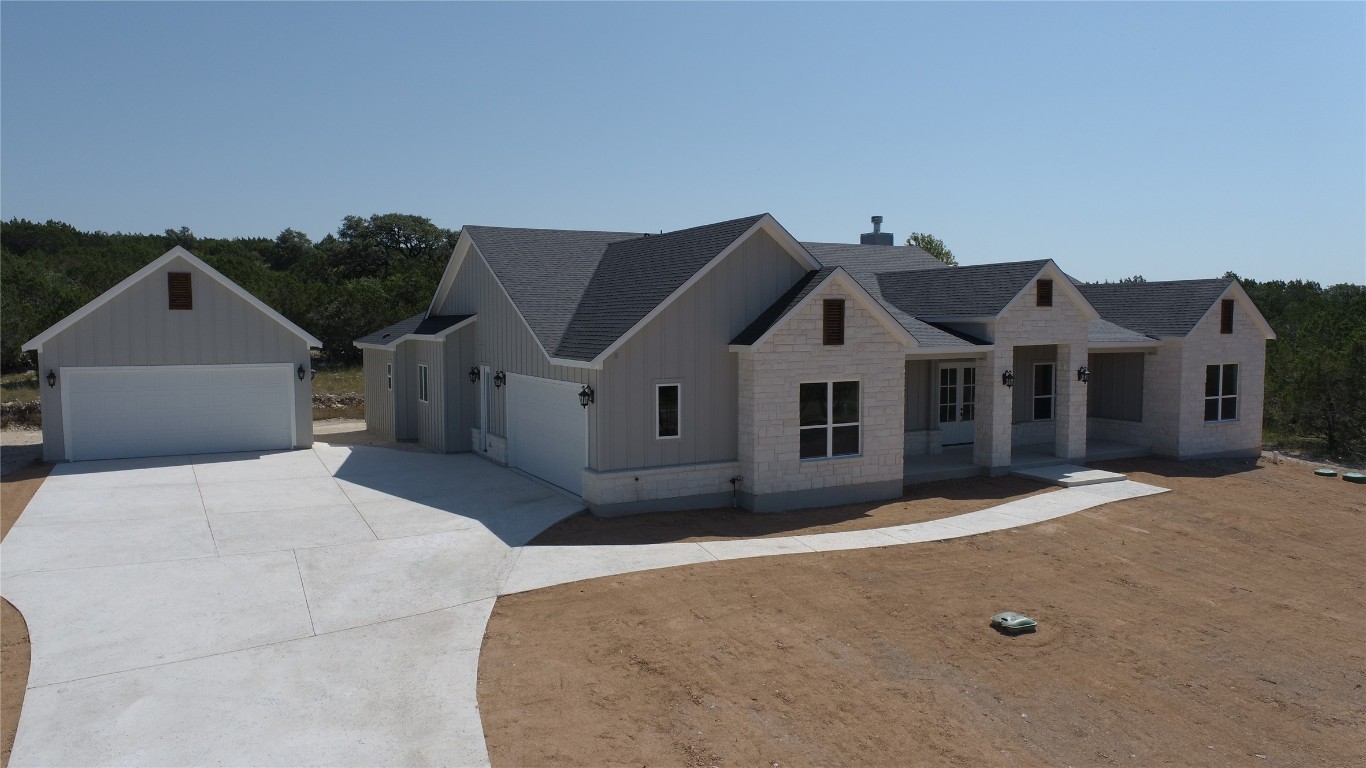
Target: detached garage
x=176, y=359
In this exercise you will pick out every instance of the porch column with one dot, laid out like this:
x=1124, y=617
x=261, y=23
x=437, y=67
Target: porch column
x=1070, y=436
x=995, y=412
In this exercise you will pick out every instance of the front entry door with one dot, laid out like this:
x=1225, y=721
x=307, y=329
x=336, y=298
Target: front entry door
x=957, y=403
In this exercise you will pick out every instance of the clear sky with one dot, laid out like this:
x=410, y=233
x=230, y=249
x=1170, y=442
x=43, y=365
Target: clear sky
x=1173, y=140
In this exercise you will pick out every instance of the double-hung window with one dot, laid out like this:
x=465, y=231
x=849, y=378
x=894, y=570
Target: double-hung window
x=829, y=419
x=1043, y=391
x=668, y=407
x=1221, y=392
x=422, y=382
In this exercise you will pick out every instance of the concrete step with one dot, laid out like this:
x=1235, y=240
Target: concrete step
x=1068, y=475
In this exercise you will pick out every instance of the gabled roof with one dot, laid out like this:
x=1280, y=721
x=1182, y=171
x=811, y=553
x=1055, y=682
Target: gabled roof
x=415, y=327
x=1105, y=332
x=1157, y=309
x=799, y=294
x=982, y=290
x=175, y=253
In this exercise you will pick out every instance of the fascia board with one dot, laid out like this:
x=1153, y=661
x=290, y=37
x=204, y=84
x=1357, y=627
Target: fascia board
x=443, y=288
x=1059, y=280
x=932, y=352
x=1239, y=292
x=839, y=274
x=1132, y=346
x=419, y=336
x=766, y=223
x=36, y=343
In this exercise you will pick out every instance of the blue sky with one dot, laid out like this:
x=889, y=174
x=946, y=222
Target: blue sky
x=1173, y=140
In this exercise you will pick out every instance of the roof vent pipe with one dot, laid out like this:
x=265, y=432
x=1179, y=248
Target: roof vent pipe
x=877, y=236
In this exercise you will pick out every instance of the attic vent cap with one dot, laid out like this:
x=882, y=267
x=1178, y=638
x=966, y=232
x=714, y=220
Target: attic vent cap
x=877, y=224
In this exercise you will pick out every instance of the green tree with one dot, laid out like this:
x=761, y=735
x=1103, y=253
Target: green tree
x=1133, y=279
x=933, y=246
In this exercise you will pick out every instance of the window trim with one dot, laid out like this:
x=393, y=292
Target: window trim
x=389, y=376
x=678, y=426
x=423, y=390
x=1219, y=394
x=830, y=423
x=1035, y=397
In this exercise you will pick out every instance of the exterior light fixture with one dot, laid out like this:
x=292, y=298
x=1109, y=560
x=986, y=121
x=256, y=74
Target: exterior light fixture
x=474, y=374
x=1008, y=378
x=51, y=378
x=499, y=379
x=300, y=372
x=585, y=395
x=1083, y=374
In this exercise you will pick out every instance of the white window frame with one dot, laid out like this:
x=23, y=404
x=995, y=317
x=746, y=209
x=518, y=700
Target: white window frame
x=679, y=426
x=830, y=424
x=389, y=376
x=1051, y=397
x=422, y=388
x=1219, y=393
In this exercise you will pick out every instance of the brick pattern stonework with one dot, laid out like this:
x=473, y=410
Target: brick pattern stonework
x=769, y=379
x=634, y=485
x=498, y=447
x=1204, y=345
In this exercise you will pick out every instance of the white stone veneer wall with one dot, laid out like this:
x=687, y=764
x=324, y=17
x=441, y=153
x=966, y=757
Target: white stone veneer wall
x=498, y=447
x=770, y=376
x=1204, y=345
x=632, y=485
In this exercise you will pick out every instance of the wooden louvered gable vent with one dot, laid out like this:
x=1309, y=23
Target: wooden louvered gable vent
x=1226, y=316
x=178, y=287
x=834, y=322
x=1045, y=293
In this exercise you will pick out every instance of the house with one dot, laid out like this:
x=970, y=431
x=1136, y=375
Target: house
x=176, y=359
x=731, y=363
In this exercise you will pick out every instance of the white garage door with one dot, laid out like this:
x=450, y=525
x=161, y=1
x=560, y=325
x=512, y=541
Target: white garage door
x=168, y=410
x=547, y=430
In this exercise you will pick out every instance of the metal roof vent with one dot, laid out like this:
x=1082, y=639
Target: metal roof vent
x=877, y=236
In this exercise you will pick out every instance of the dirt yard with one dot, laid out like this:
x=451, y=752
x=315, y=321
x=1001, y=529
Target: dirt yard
x=1221, y=624
x=16, y=489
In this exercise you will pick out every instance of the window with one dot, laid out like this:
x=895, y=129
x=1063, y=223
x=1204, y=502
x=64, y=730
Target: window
x=1043, y=391
x=667, y=405
x=1221, y=392
x=389, y=376
x=179, y=287
x=1043, y=293
x=422, y=382
x=1226, y=316
x=829, y=419
x=834, y=322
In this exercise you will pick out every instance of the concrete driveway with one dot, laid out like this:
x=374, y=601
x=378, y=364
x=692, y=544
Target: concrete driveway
x=318, y=607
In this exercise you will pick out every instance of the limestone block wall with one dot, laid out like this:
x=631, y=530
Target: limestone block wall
x=769, y=381
x=1203, y=346
x=498, y=447
x=641, y=485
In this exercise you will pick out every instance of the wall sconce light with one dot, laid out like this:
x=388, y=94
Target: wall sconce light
x=499, y=379
x=300, y=372
x=585, y=395
x=474, y=374
x=1083, y=374
x=51, y=378
x=1008, y=378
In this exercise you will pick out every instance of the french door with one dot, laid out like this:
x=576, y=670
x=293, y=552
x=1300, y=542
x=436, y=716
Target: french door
x=957, y=403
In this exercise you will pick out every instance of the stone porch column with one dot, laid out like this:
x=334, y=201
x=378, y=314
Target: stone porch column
x=995, y=412
x=1070, y=435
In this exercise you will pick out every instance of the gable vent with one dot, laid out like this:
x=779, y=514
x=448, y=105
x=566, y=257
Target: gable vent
x=1044, y=293
x=179, y=288
x=1226, y=316
x=834, y=322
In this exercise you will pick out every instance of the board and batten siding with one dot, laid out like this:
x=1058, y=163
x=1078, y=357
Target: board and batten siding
x=688, y=343
x=137, y=328
x=918, y=395
x=502, y=341
x=429, y=418
x=379, y=399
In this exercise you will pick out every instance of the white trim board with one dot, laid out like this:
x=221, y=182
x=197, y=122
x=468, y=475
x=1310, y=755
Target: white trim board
x=440, y=336
x=853, y=286
x=36, y=343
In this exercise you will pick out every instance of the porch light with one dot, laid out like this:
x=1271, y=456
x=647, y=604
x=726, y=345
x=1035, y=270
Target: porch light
x=499, y=379
x=1008, y=378
x=300, y=372
x=585, y=395
x=51, y=378
x=1083, y=375
x=474, y=374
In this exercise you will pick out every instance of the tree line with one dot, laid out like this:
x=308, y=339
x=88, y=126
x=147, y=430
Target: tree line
x=373, y=271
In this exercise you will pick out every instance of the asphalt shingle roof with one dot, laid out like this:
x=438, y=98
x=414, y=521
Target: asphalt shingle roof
x=420, y=325
x=1157, y=309
x=783, y=305
x=982, y=290
x=1104, y=331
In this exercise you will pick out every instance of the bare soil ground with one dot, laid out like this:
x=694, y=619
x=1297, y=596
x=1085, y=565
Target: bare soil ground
x=1220, y=624
x=16, y=489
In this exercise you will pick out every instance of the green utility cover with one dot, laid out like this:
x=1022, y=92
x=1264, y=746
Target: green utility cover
x=1325, y=473
x=1355, y=477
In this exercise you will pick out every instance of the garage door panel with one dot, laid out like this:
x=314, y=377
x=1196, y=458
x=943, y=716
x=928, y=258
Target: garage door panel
x=547, y=431
x=158, y=411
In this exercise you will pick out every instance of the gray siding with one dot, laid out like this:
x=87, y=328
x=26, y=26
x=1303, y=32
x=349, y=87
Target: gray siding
x=1116, y=387
x=454, y=395
x=429, y=417
x=405, y=392
x=137, y=328
x=688, y=344
x=1023, y=393
x=918, y=392
x=379, y=399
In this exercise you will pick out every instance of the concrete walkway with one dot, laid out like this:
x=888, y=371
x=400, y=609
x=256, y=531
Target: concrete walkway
x=320, y=607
